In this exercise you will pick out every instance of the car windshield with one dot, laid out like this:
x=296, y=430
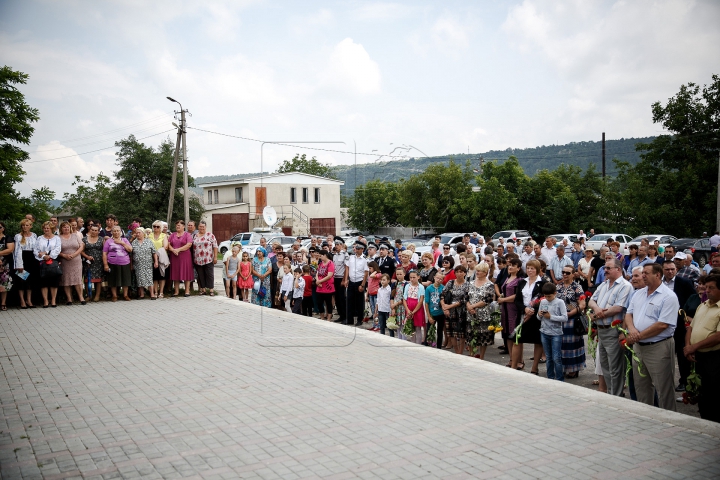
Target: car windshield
x=559, y=238
x=501, y=234
x=601, y=238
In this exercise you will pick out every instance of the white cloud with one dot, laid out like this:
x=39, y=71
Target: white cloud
x=448, y=34
x=351, y=70
x=381, y=11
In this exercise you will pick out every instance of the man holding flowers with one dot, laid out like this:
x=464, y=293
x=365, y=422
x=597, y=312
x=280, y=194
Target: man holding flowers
x=651, y=320
x=608, y=304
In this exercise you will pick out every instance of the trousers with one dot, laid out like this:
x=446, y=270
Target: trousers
x=658, y=368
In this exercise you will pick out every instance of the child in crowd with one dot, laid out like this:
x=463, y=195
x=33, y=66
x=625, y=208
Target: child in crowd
x=226, y=255
x=552, y=314
x=231, y=271
x=382, y=305
x=397, y=306
x=307, y=299
x=286, y=288
x=372, y=289
x=245, y=280
x=433, y=309
x=298, y=291
x=414, y=302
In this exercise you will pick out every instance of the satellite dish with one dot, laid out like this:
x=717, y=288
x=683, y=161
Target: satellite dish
x=270, y=216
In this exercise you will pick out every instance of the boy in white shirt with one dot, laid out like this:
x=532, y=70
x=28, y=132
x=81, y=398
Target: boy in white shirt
x=286, y=288
x=298, y=291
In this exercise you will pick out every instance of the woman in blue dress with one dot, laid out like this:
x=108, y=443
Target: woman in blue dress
x=262, y=271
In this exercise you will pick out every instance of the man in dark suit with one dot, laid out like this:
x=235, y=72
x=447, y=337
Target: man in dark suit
x=683, y=289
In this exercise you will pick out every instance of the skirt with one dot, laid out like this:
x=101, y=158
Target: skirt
x=530, y=332
x=32, y=266
x=573, y=348
x=419, y=317
x=119, y=276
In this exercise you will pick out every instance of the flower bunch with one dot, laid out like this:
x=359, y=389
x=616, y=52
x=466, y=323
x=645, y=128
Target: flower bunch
x=623, y=343
x=495, y=322
x=432, y=336
x=692, y=387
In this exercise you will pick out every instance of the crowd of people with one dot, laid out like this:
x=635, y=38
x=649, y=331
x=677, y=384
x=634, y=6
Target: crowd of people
x=458, y=297
x=652, y=309
x=86, y=258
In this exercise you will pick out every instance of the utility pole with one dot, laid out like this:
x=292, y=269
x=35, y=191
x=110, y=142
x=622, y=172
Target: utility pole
x=603, y=155
x=174, y=174
x=717, y=222
x=182, y=133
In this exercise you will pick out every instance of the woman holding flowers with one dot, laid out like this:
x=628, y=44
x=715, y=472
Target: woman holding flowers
x=508, y=310
x=527, y=301
x=454, y=307
x=573, y=346
x=261, y=272
x=481, y=293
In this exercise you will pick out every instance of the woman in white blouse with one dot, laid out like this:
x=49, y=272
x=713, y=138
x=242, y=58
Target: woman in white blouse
x=47, y=248
x=25, y=262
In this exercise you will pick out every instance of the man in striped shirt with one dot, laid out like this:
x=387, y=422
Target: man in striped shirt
x=608, y=304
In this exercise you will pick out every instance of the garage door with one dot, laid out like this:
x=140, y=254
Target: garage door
x=225, y=225
x=322, y=226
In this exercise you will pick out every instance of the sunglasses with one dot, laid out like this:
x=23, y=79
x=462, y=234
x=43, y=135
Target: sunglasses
x=156, y=226
x=567, y=273
x=446, y=248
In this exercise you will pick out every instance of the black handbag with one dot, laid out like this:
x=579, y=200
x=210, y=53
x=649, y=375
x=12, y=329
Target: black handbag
x=447, y=292
x=580, y=326
x=50, y=269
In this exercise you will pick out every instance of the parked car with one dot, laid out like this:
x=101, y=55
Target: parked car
x=571, y=238
x=522, y=235
x=665, y=240
x=601, y=239
x=699, y=248
x=450, y=238
x=242, y=238
x=257, y=234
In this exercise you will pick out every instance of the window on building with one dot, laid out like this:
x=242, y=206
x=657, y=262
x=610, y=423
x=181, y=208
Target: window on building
x=238, y=195
x=293, y=195
x=216, y=197
x=305, y=195
x=317, y=195
x=209, y=197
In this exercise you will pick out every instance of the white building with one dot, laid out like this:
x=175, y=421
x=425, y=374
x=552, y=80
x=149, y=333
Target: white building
x=305, y=204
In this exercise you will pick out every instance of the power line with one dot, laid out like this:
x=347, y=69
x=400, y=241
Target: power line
x=166, y=116
x=154, y=127
x=98, y=150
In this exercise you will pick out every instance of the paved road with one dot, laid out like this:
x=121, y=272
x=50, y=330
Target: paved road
x=214, y=388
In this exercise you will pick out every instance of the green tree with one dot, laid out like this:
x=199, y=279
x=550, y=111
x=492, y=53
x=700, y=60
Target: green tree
x=375, y=204
x=16, y=119
x=300, y=163
x=92, y=198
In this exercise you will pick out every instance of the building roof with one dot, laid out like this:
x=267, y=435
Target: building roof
x=289, y=177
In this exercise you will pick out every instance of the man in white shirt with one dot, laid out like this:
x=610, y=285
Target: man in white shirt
x=714, y=242
x=555, y=267
x=581, y=235
x=469, y=247
x=527, y=254
x=651, y=320
x=547, y=252
x=340, y=256
x=356, y=273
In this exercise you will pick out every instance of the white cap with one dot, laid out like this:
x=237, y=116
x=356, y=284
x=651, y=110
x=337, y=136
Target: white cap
x=680, y=256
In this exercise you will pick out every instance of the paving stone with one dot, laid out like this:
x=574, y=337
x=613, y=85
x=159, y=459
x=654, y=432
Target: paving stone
x=201, y=387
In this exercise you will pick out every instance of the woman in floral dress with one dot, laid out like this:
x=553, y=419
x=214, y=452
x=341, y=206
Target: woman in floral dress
x=573, y=346
x=262, y=271
x=93, y=253
x=481, y=293
x=205, y=257
x=396, y=305
x=144, y=260
x=455, y=311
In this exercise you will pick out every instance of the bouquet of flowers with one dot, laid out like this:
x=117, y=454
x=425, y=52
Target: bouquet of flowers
x=408, y=328
x=432, y=336
x=623, y=343
x=518, y=330
x=692, y=385
x=495, y=322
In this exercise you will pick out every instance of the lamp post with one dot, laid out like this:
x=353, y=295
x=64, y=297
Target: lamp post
x=182, y=131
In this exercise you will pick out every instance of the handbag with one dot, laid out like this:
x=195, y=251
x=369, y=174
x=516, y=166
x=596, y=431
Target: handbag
x=391, y=323
x=580, y=326
x=50, y=268
x=262, y=291
x=447, y=293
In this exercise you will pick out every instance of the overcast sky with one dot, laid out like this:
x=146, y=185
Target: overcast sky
x=443, y=77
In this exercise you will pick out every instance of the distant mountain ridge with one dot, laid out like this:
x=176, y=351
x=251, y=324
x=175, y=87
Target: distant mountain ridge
x=532, y=160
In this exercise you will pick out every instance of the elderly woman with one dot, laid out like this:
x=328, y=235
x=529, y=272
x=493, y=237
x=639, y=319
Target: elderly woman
x=205, y=253
x=93, y=255
x=71, y=246
x=615, y=249
x=46, y=249
x=160, y=272
x=527, y=297
x=447, y=270
x=25, y=261
x=454, y=307
x=573, y=346
x=7, y=247
x=405, y=262
x=481, y=294
x=179, y=245
x=116, y=262
x=414, y=258
x=261, y=272
x=144, y=260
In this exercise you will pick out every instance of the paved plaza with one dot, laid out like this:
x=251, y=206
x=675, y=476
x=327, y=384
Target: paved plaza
x=213, y=388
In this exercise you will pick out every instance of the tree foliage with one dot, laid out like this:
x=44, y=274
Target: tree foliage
x=16, y=119
x=300, y=163
x=139, y=188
